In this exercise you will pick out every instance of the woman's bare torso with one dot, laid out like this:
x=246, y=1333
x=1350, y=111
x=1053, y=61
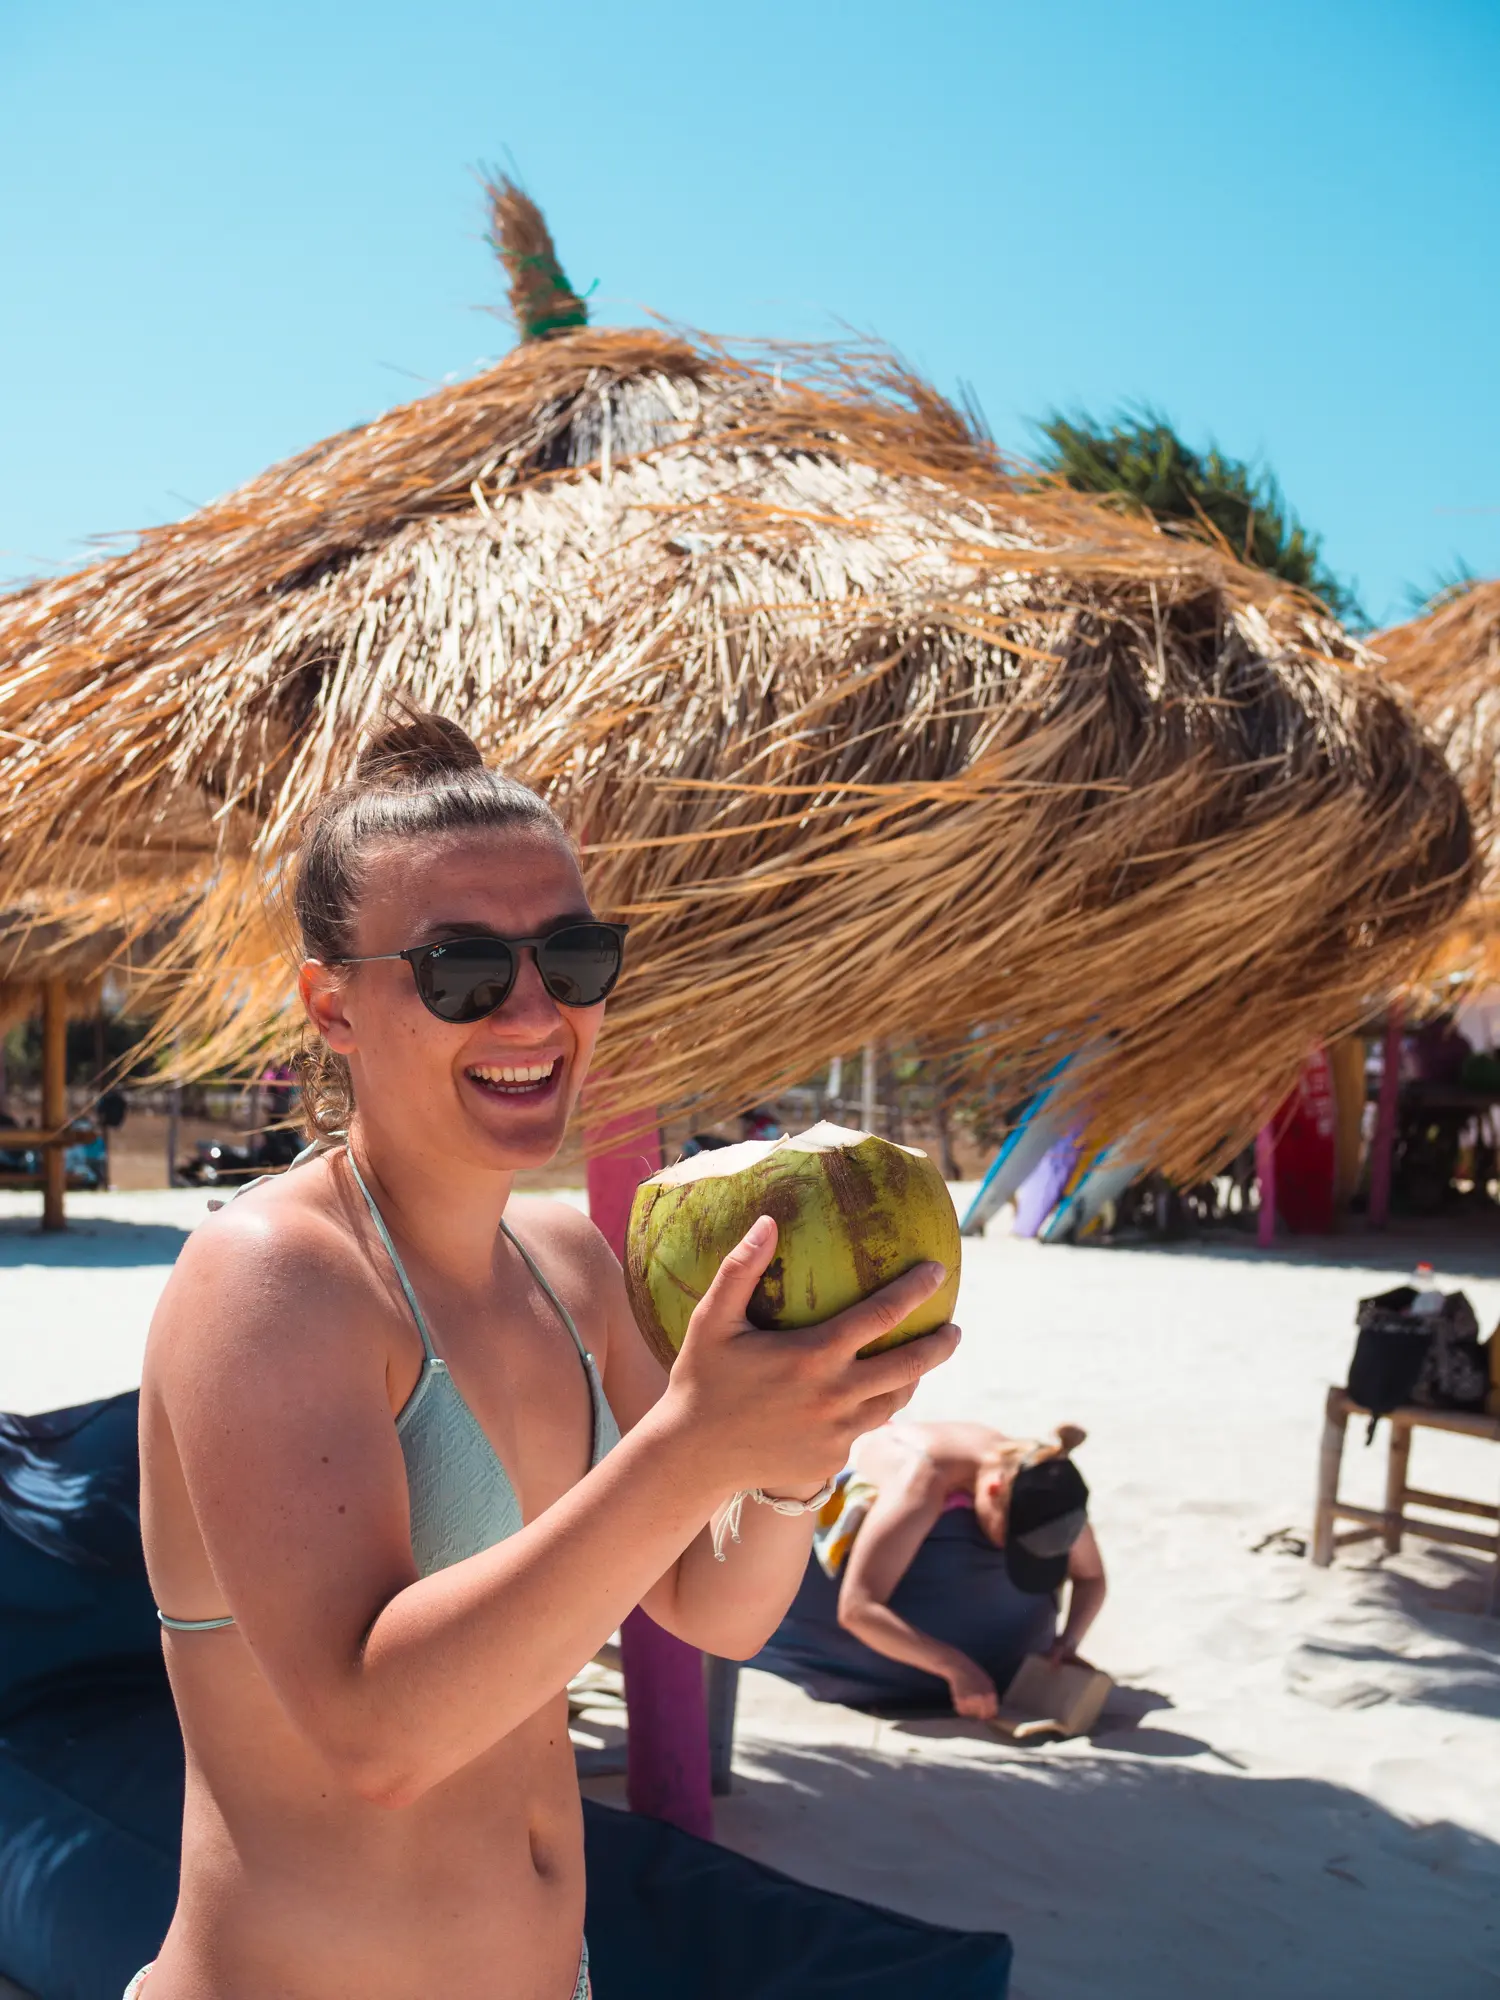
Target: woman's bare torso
x=294, y=1886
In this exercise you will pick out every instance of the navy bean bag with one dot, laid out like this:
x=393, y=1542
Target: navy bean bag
x=957, y=1590
x=91, y=1790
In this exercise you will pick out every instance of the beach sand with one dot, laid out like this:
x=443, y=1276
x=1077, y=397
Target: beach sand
x=1296, y=1790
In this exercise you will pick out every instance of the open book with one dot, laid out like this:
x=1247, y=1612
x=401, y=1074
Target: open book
x=1043, y=1700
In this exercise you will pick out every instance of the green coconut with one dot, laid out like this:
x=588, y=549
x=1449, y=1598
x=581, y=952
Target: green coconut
x=852, y=1212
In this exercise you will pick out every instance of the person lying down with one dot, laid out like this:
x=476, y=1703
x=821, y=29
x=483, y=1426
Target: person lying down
x=937, y=1568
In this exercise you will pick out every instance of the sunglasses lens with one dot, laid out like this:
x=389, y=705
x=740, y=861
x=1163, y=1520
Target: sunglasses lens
x=579, y=965
x=468, y=979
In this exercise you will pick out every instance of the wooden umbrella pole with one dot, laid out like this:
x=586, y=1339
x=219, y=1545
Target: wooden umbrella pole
x=667, y=1754
x=54, y=1100
x=1383, y=1145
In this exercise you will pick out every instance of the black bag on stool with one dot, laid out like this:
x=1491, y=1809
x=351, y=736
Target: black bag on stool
x=1434, y=1362
x=1390, y=1352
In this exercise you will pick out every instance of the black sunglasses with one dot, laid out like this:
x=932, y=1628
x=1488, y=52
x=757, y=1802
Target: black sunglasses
x=463, y=979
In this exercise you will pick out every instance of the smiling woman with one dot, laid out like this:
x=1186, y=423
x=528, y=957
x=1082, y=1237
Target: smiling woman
x=387, y=1503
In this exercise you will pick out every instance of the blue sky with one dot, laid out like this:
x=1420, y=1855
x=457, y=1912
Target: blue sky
x=229, y=231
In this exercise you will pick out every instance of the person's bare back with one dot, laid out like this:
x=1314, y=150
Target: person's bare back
x=916, y=1470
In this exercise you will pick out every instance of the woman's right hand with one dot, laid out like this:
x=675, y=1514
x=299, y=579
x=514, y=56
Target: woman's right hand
x=974, y=1693
x=779, y=1410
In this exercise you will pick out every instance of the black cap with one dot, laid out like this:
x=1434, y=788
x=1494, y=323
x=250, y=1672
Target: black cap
x=1048, y=1512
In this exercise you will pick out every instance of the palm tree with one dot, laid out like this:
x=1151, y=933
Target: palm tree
x=1140, y=456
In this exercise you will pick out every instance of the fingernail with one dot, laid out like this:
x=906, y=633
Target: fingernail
x=935, y=1271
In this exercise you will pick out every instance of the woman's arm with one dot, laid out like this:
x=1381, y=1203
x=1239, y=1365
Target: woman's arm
x=274, y=1391
x=895, y=1528
x=1087, y=1587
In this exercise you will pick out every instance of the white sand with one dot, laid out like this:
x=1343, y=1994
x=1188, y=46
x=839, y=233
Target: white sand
x=1297, y=1793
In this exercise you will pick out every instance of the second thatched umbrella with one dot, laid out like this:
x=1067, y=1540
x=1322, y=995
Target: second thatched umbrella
x=869, y=737
x=1448, y=660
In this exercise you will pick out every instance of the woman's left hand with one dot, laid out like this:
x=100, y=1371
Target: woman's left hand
x=1061, y=1654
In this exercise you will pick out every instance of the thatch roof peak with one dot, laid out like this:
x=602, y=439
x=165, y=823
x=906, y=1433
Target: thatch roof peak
x=542, y=302
x=870, y=736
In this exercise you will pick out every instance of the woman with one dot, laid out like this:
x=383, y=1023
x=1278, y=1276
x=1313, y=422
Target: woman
x=938, y=1566
x=385, y=1509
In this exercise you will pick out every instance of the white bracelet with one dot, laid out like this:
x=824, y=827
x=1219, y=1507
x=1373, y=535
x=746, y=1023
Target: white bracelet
x=729, y=1520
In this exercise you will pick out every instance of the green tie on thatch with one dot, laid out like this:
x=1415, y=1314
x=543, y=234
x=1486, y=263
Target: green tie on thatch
x=541, y=299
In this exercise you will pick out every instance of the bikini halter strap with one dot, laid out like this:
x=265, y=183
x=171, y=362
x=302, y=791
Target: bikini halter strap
x=411, y=1298
x=396, y=1264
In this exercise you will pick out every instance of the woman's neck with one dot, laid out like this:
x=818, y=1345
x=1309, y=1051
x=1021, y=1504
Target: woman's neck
x=448, y=1210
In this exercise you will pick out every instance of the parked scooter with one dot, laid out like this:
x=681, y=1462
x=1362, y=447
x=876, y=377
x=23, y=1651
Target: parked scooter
x=217, y=1164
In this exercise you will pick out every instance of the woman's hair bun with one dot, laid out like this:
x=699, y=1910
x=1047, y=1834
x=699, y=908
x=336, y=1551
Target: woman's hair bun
x=412, y=747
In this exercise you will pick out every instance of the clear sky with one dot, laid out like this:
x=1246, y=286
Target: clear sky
x=229, y=230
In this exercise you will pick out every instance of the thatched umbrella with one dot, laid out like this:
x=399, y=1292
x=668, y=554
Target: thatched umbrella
x=868, y=734
x=1448, y=660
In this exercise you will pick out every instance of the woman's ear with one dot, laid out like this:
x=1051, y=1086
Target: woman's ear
x=323, y=994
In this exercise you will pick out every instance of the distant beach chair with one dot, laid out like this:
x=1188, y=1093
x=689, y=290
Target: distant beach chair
x=1392, y=1521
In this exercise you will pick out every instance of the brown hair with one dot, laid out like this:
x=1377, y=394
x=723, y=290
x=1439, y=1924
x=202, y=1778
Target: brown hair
x=418, y=775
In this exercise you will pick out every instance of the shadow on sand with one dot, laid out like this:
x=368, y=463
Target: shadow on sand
x=1120, y=1727
x=1422, y=1640
x=1120, y=1873
x=1461, y=1246
x=94, y=1243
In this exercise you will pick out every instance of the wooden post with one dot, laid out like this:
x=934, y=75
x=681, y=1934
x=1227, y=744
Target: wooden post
x=174, y=1118
x=1330, y=1462
x=1397, y=1461
x=1383, y=1145
x=54, y=1100
x=867, y=1089
x=1265, y=1173
x=721, y=1692
x=667, y=1756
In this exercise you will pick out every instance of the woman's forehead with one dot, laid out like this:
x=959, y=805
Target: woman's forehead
x=509, y=880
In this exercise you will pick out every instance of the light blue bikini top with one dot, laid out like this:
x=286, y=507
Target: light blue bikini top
x=461, y=1496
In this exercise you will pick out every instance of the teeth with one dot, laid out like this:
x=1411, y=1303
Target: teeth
x=518, y=1073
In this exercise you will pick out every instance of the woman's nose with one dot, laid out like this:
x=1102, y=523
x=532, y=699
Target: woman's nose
x=528, y=1003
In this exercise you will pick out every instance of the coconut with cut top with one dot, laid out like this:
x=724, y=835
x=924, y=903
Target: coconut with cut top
x=852, y=1212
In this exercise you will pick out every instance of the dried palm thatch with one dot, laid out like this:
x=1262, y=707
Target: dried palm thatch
x=542, y=302
x=79, y=939
x=869, y=736
x=1448, y=660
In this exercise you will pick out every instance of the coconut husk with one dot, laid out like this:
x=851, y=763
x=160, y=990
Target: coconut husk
x=869, y=734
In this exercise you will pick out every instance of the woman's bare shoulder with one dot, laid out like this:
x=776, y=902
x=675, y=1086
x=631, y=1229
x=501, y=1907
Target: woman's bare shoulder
x=550, y=1226
x=277, y=1259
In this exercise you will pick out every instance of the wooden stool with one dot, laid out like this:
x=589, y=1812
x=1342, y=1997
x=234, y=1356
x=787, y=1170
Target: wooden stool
x=1392, y=1521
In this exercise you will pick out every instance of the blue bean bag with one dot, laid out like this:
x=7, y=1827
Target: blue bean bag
x=957, y=1590
x=91, y=1790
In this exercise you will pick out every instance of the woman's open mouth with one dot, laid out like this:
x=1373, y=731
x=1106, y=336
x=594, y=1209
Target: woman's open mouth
x=524, y=1080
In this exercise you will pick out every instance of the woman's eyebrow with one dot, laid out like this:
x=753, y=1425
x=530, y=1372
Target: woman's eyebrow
x=439, y=933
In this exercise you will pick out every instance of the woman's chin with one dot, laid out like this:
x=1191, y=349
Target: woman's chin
x=517, y=1129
